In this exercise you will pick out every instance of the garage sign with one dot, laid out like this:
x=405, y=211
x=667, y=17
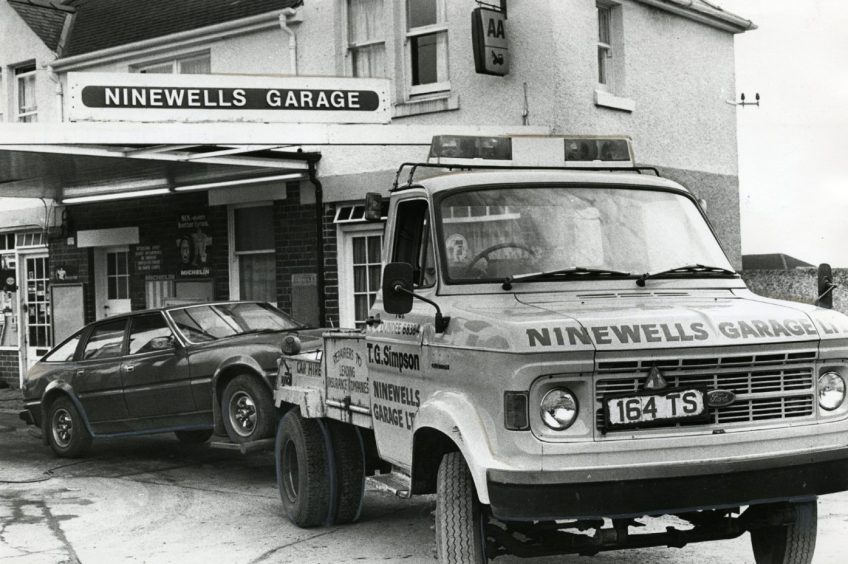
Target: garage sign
x=136, y=97
x=491, y=48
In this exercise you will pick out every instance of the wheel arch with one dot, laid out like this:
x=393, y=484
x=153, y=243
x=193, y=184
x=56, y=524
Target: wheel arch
x=54, y=390
x=227, y=370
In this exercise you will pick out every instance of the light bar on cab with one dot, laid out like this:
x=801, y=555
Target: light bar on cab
x=459, y=149
x=601, y=152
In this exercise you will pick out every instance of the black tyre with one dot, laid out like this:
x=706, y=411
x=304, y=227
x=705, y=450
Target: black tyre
x=460, y=518
x=66, y=431
x=193, y=437
x=788, y=544
x=247, y=409
x=349, y=457
x=303, y=476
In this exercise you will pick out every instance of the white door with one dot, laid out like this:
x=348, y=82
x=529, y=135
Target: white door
x=112, y=281
x=35, y=298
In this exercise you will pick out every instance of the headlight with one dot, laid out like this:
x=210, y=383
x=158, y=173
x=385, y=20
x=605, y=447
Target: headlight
x=559, y=409
x=831, y=390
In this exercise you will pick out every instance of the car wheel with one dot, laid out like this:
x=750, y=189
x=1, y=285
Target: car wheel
x=66, y=430
x=793, y=543
x=303, y=480
x=460, y=517
x=247, y=409
x=193, y=437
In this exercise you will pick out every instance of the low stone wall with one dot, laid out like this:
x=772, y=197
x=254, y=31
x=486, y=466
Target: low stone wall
x=799, y=285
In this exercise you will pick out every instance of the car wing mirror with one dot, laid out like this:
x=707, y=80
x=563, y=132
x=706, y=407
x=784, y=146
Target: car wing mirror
x=825, y=286
x=163, y=343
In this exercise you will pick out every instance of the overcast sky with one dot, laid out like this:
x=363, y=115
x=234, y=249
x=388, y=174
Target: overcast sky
x=793, y=149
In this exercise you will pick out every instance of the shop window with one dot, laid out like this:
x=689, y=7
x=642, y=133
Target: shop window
x=253, y=267
x=26, y=101
x=192, y=64
x=37, y=302
x=426, y=46
x=366, y=42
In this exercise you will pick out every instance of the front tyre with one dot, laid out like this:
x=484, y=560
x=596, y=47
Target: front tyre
x=460, y=518
x=66, y=430
x=794, y=543
x=302, y=470
x=247, y=409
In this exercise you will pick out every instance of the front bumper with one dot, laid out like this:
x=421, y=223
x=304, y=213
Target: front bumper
x=552, y=495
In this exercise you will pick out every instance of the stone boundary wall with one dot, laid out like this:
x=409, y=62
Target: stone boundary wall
x=798, y=285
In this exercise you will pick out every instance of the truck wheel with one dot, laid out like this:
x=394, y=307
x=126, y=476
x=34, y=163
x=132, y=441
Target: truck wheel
x=789, y=544
x=247, y=409
x=460, y=518
x=66, y=430
x=302, y=470
x=350, y=471
x=193, y=437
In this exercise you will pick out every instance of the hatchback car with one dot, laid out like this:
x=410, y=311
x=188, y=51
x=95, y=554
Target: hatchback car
x=191, y=370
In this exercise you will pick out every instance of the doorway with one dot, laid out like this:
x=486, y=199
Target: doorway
x=111, y=281
x=35, y=304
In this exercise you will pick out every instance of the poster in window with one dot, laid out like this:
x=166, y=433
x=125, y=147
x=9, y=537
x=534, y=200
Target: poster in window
x=192, y=245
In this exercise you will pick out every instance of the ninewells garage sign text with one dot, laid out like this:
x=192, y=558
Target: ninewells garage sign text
x=144, y=97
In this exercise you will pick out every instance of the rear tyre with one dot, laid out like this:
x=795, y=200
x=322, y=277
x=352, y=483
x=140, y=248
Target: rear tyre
x=193, y=437
x=350, y=471
x=66, y=430
x=460, y=517
x=303, y=479
x=788, y=544
x=247, y=409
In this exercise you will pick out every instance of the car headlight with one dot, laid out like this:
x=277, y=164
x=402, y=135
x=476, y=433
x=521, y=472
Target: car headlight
x=559, y=409
x=831, y=390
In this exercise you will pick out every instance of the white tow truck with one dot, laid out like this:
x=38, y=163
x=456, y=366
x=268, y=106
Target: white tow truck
x=558, y=352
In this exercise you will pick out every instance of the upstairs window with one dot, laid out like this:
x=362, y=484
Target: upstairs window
x=604, y=45
x=26, y=102
x=610, y=48
x=192, y=64
x=427, y=46
x=366, y=41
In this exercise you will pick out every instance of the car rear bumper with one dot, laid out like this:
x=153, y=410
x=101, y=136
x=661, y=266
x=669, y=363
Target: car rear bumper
x=551, y=495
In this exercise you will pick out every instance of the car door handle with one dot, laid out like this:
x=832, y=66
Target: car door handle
x=129, y=367
x=80, y=372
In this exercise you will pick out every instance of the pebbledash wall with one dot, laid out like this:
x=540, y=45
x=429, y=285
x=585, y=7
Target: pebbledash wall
x=798, y=285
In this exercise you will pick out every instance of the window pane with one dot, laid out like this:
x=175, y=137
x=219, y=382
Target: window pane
x=360, y=280
x=106, y=341
x=254, y=228
x=421, y=12
x=374, y=278
x=64, y=352
x=359, y=250
x=361, y=305
x=145, y=328
x=370, y=61
x=196, y=65
x=374, y=250
x=257, y=279
x=111, y=264
x=164, y=68
x=604, y=25
x=112, y=290
x=365, y=20
x=123, y=283
x=429, y=58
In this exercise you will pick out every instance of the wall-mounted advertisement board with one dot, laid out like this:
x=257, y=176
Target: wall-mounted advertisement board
x=139, y=97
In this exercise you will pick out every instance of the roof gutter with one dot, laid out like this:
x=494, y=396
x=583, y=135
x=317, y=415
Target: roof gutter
x=173, y=40
x=714, y=17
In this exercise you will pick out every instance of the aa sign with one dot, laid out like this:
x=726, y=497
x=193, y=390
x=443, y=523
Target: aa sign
x=491, y=48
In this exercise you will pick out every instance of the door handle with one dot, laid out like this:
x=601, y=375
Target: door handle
x=129, y=367
x=80, y=372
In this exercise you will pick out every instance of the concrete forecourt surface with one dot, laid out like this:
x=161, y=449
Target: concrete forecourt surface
x=153, y=500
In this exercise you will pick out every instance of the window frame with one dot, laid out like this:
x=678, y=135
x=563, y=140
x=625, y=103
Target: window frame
x=350, y=46
x=235, y=282
x=440, y=27
x=24, y=72
x=345, y=233
x=174, y=62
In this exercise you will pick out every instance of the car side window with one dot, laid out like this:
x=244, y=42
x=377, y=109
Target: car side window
x=146, y=333
x=65, y=351
x=105, y=341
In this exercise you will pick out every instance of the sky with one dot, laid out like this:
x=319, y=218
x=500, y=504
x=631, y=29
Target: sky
x=793, y=149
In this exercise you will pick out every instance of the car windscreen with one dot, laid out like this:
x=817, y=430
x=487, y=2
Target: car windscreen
x=212, y=322
x=494, y=233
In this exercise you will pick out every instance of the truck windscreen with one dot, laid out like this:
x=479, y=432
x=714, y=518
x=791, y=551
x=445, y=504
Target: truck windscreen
x=495, y=233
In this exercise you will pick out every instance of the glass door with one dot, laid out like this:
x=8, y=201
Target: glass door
x=36, y=307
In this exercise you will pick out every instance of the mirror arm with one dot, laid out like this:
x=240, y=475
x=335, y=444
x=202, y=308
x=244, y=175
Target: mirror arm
x=830, y=287
x=442, y=321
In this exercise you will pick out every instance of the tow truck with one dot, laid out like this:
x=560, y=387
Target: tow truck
x=559, y=353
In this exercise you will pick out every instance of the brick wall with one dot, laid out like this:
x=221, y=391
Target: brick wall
x=798, y=285
x=295, y=242
x=9, y=370
x=331, y=271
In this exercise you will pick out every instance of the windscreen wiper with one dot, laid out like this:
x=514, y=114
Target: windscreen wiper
x=561, y=272
x=694, y=270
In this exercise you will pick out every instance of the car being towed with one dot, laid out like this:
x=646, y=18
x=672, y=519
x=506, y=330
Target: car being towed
x=190, y=369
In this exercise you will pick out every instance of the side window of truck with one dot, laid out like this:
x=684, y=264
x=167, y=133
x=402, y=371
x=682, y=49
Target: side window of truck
x=413, y=242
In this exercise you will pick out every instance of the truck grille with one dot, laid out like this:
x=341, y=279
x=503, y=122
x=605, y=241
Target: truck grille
x=769, y=386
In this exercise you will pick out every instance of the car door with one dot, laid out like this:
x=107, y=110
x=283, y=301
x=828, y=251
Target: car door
x=157, y=383
x=97, y=377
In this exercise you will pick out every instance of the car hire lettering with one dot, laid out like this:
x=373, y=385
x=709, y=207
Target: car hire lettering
x=385, y=356
x=619, y=334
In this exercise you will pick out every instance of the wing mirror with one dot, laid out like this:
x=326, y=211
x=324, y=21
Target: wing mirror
x=398, y=294
x=163, y=343
x=373, y=206
x=825, y=286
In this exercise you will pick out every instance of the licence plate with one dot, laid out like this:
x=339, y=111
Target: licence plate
x=655, y=408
